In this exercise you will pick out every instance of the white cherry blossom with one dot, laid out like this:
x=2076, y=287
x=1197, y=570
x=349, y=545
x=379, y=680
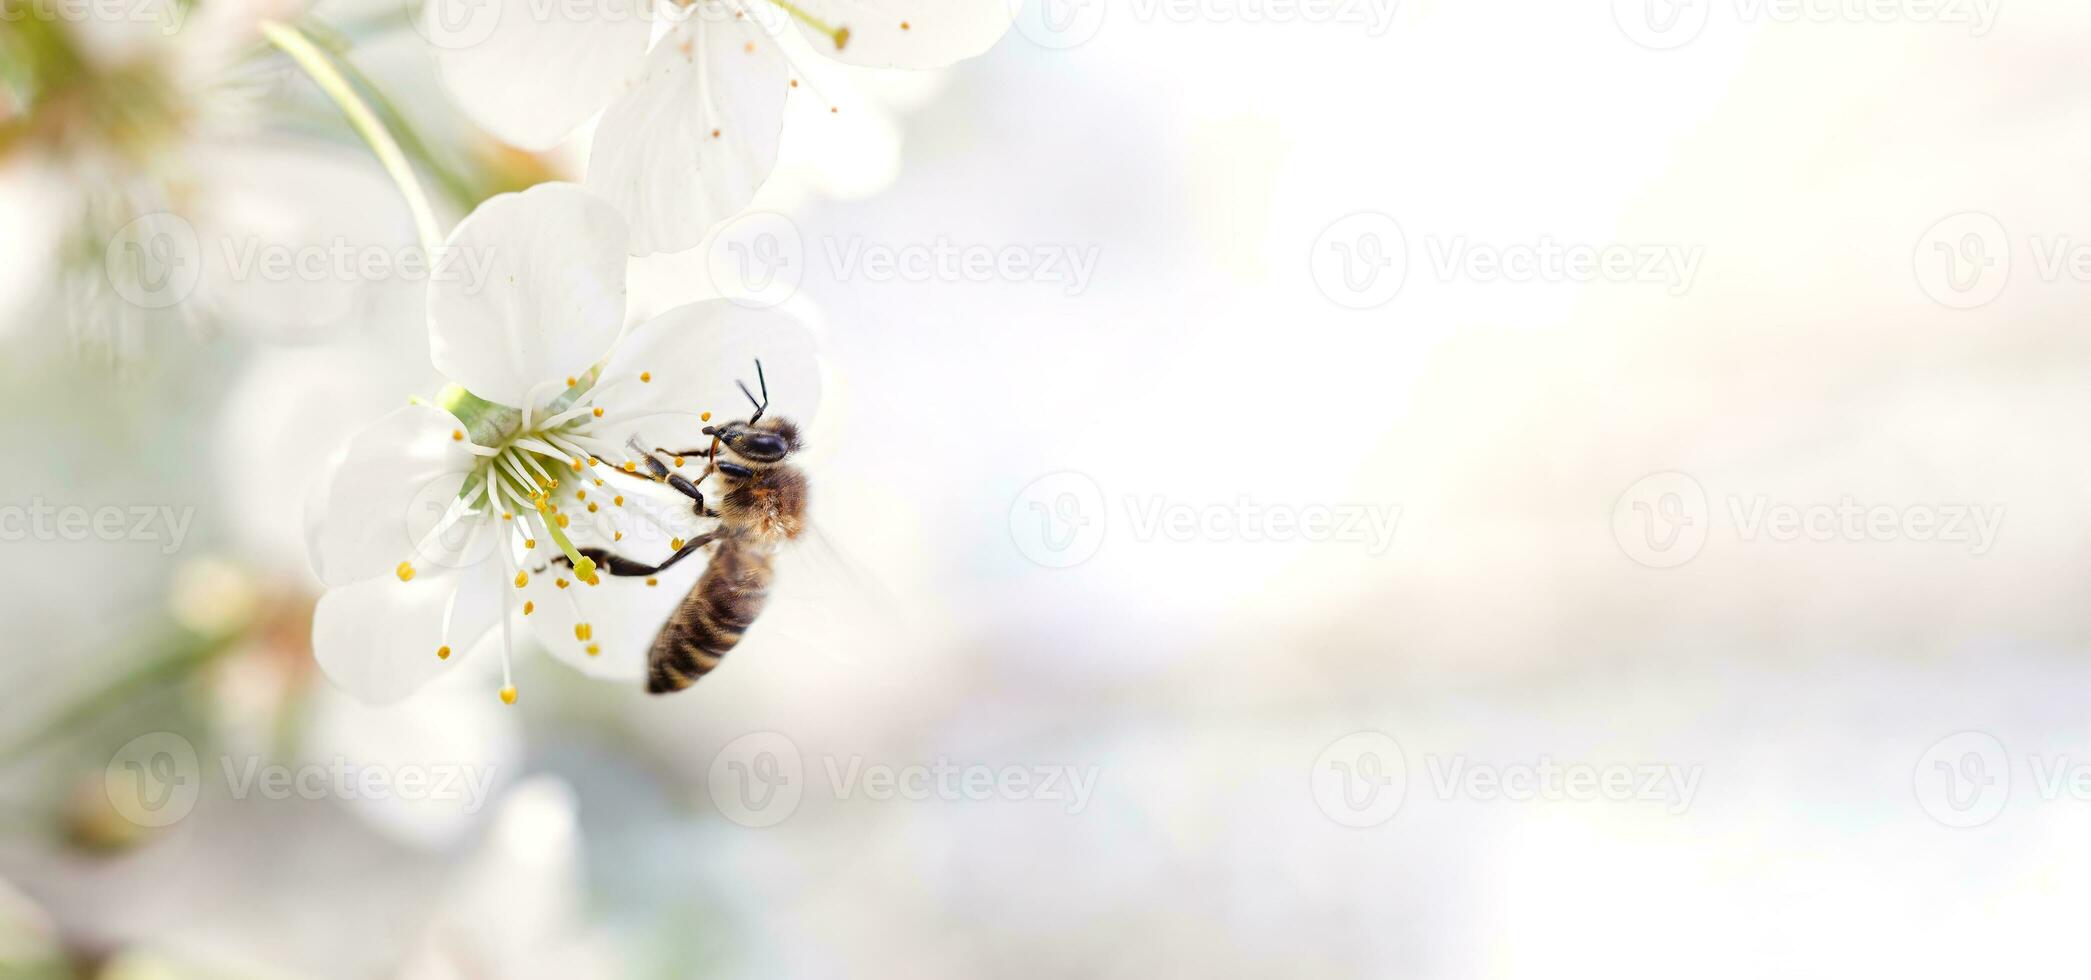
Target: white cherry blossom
x=443, y=523
x=690, y=113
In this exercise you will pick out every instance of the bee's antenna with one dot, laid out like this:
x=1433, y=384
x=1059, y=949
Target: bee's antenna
x=760, y=406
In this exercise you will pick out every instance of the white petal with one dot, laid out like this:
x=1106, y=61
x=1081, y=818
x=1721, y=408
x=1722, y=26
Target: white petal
x=854, y=152
x=291, y=410
x=624, y=615
x=528, y=71
x=534, y=291
x=656, y=156
x=377, y=639
x=937, y=32
x=695, y=354
x=395, y=481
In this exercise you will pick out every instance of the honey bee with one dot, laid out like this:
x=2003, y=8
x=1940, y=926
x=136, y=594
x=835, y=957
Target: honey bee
x=760, y=503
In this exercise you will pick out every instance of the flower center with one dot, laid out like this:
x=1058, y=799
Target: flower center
x=539, y=466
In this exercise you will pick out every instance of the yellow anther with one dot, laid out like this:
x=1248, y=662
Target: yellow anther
x=560, y=582
x=522, y=579
x=561, y=518
x=653, y=581
x=583, y=631
x=405, y=571
x=457, y=435
x=580, y=495
x=530, y=543
x=598, y=411
x=675, y=543
x=631, y=467
x=570, y=382
x=507, y=516
x=529, y=607
x=508, y=695
x=617, y=535
x=618, y=500
x=678, y=462
x=595, y=649
x=442, y=653
x=591, y=507
x=645, y=376
x=704, y=416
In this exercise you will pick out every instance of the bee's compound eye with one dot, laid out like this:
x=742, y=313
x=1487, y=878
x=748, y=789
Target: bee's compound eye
x=763, y=446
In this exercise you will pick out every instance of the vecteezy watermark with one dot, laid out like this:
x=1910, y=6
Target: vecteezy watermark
x=1664, y=24
x=1060, y=519
x=461, y=783
x=1062, y=24
x=760, y=259
x=1361, y=261
x=248, y=258
x=41, y=521
x=169, y=14
x=1361, y=780
x=1965, y=779
x=1664, y=520
x=1545, y=780
x=157, y=261
x=1066, y=266
x=759, y=780
x=154, y=780
x=1966, y=260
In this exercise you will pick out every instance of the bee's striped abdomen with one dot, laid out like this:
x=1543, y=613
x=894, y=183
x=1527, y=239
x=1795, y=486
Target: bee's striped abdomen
x=711, y=619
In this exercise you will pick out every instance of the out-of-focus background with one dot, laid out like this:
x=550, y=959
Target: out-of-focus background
x=1367, y=488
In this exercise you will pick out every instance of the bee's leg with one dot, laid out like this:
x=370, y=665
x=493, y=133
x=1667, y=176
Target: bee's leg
x=681, y=484
x=705, y=453
x=622, y=566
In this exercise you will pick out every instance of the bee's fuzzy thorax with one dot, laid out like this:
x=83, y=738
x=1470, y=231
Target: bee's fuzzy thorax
x=771, y=504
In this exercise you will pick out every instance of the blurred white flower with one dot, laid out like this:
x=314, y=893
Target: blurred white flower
x=438, y=730
x=515, y=909
x=684, y=141
x=138, y=190
x=439, y=522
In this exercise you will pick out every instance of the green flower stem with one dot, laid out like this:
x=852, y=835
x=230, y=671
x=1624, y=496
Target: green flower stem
x=181, y=651
x=315, y=63
x=456, y=188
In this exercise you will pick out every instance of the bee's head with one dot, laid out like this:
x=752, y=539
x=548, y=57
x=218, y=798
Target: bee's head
x=758, y=440
x=766, y=441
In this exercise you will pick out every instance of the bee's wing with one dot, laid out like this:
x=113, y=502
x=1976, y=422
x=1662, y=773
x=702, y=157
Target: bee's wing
x=826, y=600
